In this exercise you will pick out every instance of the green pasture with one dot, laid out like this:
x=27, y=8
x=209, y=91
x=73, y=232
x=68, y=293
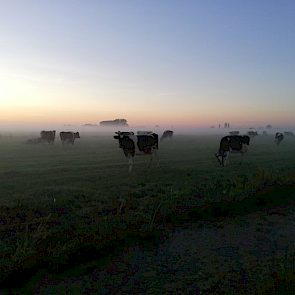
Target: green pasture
x=97, y=168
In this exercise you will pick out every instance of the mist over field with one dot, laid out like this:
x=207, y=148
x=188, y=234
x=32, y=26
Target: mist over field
x=33, y=130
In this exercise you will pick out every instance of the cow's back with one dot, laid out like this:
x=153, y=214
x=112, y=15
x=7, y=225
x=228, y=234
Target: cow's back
x=233, y=142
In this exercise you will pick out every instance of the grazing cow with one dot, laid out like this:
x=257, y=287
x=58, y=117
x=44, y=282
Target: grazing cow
x=138, y=145
x=47, y=136
x=33, y=141
x=279, y=137
x=167, y=134
x=234, y=133
x=233, y=144
x=252, y=134
x=68, y=137
x=289, y=133
x=265, y=133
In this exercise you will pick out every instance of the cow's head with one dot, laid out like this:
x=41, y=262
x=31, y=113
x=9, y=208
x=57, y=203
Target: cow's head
x=77, y=135
x=279, y=137
x=222, y=157
x=123, y=135
x=245, y=140
x=119, y=135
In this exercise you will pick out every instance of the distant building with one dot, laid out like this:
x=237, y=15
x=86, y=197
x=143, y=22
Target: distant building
x=117, y=122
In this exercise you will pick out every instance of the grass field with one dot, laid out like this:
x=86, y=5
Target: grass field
x=96, y=167
x=94, y=172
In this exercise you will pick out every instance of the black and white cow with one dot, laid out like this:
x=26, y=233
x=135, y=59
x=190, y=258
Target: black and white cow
x=233, y=144
x=289, y=133
x=138, y=145
x=68, y=137
x=279, y=137
x=47, y=136
x=252, y=133
x=167, y=134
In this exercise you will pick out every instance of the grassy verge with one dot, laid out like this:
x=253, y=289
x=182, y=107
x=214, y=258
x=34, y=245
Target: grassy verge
x=58, y=235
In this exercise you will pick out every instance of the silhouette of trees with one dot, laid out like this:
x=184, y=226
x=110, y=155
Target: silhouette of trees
x=117, y=122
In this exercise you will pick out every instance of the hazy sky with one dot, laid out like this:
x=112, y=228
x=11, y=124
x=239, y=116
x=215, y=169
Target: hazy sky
x=165, y=62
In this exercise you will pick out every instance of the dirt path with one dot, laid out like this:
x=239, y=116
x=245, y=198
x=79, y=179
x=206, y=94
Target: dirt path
x=239, y=252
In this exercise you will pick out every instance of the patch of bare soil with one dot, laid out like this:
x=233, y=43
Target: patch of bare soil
x=234, y=255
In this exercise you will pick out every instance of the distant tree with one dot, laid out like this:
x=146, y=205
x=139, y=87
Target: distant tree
x=116, y=122
x=268, y=127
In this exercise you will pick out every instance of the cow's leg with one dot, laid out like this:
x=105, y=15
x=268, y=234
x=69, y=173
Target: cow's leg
x=156, y=155
x=130, y=161
x=226, y=159
x=150, y=160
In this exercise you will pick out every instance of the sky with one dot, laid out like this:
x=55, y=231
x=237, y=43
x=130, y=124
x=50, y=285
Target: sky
x=156, y=62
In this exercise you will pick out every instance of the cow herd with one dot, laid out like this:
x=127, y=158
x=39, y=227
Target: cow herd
x=49, y=136
x=238, y=144
x=147, y=143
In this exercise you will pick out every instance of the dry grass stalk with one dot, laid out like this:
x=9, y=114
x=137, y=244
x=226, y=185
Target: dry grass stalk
x=25, y=245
